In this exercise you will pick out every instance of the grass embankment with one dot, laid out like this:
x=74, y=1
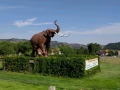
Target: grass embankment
x=107, y=79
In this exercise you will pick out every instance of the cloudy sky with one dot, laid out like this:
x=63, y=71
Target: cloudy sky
x=89, y=21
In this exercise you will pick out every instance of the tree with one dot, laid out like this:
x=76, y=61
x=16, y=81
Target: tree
x=81, y=50
x=86, y=52
x=24, y=47
x=93, y=48
x=6, y=48
x=110, y=53
x=65, y=49
x=75, y=51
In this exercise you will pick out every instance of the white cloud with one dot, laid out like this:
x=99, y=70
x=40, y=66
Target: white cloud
x=21, y=23
x=46, y=23
x=112, y=28
x=9, y=7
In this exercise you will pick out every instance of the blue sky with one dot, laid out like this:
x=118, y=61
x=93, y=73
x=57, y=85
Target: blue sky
x=89, y=21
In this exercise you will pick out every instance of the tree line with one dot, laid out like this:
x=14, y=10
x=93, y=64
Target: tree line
x=15, y=48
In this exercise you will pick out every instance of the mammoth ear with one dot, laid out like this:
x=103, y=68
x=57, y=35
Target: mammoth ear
x=46, y=32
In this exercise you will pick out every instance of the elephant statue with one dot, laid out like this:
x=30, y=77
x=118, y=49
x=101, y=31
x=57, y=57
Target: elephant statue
x=42, y=41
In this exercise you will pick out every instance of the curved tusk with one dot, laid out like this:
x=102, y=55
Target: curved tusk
x=64, y=35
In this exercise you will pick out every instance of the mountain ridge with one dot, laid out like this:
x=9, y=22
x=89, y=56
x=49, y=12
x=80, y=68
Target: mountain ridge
x=111, y=46
x=53, y=43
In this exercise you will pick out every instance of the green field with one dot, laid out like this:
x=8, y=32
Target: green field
x=107, y=79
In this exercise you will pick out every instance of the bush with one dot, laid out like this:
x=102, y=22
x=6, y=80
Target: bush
x=15, y=63
x=55, y=66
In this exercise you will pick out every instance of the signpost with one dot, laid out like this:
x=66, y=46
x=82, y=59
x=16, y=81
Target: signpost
x=91, y=63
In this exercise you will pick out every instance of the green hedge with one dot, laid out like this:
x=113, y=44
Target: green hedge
x=55, y=66
x=58, y=66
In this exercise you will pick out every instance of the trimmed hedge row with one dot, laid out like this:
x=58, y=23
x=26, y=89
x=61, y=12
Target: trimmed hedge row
x=55, y=66
x=17, y=64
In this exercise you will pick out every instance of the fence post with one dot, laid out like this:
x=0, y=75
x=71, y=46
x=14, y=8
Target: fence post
x=31, y=65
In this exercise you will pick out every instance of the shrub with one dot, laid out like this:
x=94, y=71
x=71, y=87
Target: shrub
x=15, y=63
x=72, y=66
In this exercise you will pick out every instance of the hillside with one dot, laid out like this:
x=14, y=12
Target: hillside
x=53, y=43
x=113, y=46
x=110, y=46
x=73, y=45
x=14, y=40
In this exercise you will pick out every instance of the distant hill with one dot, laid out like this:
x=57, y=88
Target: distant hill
x=113, y=46
x=110, y=46
x=73, y=45
x=14, y=40
x=52, y=44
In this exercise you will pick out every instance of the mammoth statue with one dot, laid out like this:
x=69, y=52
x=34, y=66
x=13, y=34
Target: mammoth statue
x=42, y=40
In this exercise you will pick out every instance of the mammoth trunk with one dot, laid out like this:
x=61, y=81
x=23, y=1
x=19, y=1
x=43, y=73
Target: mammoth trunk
x=58, y=28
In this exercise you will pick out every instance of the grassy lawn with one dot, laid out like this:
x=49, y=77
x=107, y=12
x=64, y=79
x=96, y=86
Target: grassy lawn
x=107, y=79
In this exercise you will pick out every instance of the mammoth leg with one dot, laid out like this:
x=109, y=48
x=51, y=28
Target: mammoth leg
x=40, y=52
x=47, y=48
x=34, y=49
x=33, y=52
x=43, y=50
